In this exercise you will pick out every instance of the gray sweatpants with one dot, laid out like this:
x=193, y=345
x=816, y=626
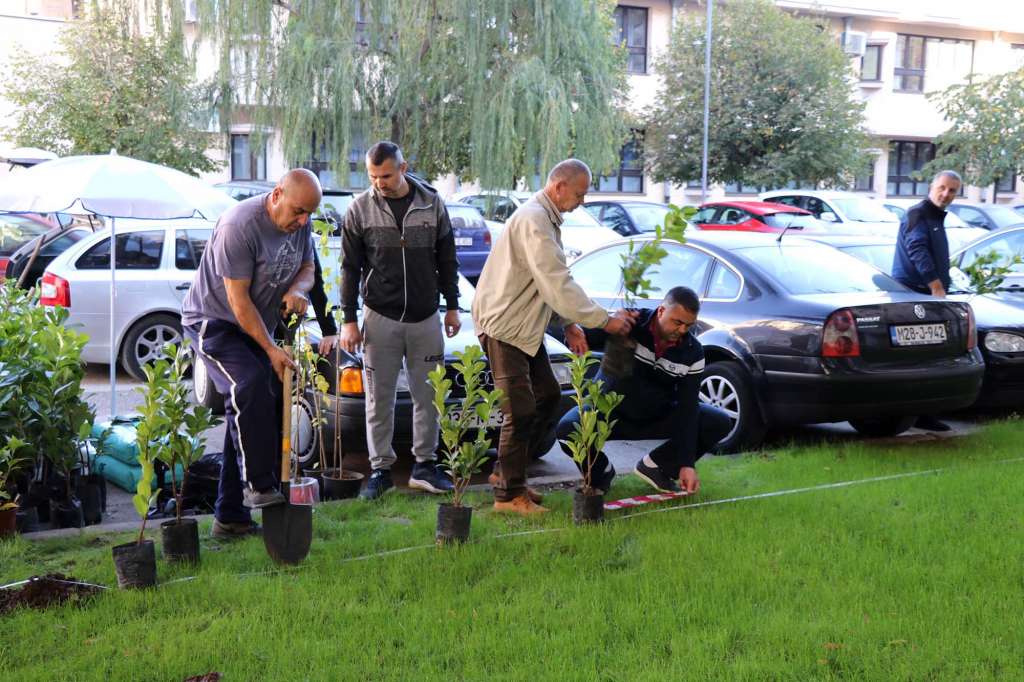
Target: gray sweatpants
x=386, y=344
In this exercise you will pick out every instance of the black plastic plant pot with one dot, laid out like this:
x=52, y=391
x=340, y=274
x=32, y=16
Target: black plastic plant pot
x=452, y=524
x=617, y=360
x=27, y=520
x=66, y=513
x=135, y=564
x=343, y=487
x=587, y=508
x=8, y=522
x=90, y=491
x=180, y=540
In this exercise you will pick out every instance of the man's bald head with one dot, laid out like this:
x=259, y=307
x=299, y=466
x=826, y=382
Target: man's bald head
x=568, y=183
x=295, y=198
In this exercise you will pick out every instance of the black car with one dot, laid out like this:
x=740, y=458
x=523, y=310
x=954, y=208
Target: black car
x=795, y=332
x=628, y=217
x=999, y=317
x=352, y=406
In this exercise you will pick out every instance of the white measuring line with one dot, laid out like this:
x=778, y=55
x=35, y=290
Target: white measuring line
x=543, y=531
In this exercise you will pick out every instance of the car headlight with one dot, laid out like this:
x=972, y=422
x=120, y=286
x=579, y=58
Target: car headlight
x=1001, y=342
x=563, y=373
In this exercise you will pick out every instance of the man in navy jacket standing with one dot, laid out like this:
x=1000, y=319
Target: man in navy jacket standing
x=921, y=261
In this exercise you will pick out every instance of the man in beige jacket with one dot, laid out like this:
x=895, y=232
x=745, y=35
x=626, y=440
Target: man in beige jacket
x=524, y=283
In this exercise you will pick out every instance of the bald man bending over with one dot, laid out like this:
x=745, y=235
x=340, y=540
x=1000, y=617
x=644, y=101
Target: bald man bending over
x=259, y=260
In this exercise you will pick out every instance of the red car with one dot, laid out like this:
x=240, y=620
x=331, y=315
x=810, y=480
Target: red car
x=754, y=216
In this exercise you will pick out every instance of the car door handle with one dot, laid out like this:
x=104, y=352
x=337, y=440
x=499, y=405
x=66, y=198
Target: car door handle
x=184, y=286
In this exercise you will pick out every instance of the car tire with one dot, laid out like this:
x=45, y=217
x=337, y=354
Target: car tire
x=202, y=387
x=882, y=427
x=728, y=386
x=144, y=343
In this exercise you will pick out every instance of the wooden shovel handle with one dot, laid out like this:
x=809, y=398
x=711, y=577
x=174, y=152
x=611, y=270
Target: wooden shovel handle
x=286, y=422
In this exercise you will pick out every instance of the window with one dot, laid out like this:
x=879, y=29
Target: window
x=496, y=208
x=725, y=283
x=1007, y=184
x=798, y=269
x=1007, y=246
x=786, y=200
x=135, y=251
x=905, y=158
x=631, y=33
x=972, y=217
x=321, y=160
x=1017, y=55
x=247, y=164
x=909, y=63
x=599, y=273
x=737, y=188
x=189, y=246
x=616, y=219
x=865, y=181
x=704, y=215
x=731, y=216
x=682, y=267
x=630, y=175
x=871, y=63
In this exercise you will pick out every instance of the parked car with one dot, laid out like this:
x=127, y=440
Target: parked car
x=472, y=238
x=580, y=231
x=156, y=260
x=1000, y=323
x=987, y=216
x=841, y=212
x=958, y=233
x=16, y=230
x=332, y=207
x=628, y=217
x=50, y=244
x=754, y=216
x=352, y=400
x=795, y=332
x=243, y=189
x=1007, y=244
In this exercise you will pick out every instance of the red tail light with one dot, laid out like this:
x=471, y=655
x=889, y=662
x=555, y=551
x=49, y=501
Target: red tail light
x=487, y=238
x=839, y=338
x=4, y=262
x=972, y=330
x=55, y=291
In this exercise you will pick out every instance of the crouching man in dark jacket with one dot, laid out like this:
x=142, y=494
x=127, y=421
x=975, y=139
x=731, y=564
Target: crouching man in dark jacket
x=660, y=399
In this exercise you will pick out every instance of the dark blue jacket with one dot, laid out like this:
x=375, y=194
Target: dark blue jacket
x=922, y=251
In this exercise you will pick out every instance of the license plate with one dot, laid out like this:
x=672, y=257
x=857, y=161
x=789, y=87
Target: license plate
x=463, y=241
x=493, y=422
x=918, y=334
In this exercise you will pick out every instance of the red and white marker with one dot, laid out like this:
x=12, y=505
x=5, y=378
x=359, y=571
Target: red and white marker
x=641, y=500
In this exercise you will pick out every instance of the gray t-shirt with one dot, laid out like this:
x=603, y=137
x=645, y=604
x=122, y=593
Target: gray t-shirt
x=247, y=245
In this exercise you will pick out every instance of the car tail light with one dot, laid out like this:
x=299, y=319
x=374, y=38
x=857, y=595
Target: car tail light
x=972, y=330
x=350, y=380
x=839, y=339
x=4, y=262
x=487, y=238
x=55, y=291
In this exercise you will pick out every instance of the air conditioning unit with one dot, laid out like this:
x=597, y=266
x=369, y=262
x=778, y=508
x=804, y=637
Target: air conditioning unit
x=854, y=43
x=191, y=11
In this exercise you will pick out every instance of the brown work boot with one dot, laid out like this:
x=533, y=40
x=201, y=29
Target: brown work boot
x=522, y=505
x=535, y=495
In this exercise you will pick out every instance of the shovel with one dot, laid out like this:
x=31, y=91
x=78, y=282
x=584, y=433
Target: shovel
x=287, y=528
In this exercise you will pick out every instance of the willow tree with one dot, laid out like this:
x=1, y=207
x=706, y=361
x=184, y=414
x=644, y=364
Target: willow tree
x=493, y=90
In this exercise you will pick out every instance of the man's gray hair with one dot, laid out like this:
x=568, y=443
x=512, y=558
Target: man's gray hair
x=952, y=174
x=565, y=171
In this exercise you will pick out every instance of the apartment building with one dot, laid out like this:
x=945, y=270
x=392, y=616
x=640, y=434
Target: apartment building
x=899, y=51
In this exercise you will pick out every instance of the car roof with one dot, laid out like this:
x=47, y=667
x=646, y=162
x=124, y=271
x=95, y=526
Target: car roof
x=261, y=184
x=759, y=207
x=841, y=240
x=724, y=239
x=992, y=234
x=820, y=193
x=625, y=202
x=138, y=225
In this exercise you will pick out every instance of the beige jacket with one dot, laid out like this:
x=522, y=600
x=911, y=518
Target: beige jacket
x=525, y=280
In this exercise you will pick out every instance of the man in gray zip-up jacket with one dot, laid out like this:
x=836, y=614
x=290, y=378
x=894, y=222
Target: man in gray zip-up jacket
x=398, y=252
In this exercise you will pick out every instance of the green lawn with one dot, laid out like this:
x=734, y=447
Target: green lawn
x=918, y=578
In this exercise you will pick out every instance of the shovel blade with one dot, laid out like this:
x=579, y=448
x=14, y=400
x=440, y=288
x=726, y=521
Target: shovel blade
x=288, y=532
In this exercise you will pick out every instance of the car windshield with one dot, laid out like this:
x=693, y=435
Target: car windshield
x=15, y=230
x=469, y=216
x=879, y=255
x=647, y=218
x=799, y=269
x=1004, y=216
x=864, y=210
x=792, y=220
x=579, y=217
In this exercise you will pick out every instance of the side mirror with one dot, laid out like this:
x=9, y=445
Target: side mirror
x=828, y=217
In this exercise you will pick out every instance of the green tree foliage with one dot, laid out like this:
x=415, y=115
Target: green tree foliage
x=110, y=87
x=782, y=106
x=494, y=89
x=985, y=141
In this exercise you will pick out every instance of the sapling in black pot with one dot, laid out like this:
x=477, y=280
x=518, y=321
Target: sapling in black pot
x=589, y=436
x=135, y=562
x=462, y=457
x=10, y=462
x=176, y=427
x=638, y=265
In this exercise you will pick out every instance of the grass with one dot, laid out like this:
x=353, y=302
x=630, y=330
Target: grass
x=918, y=578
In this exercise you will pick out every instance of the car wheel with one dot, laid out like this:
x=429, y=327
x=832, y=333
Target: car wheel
x=305, y=436
x=727, y=386
x=144, y=343
x=881, y=427
x=202, y=386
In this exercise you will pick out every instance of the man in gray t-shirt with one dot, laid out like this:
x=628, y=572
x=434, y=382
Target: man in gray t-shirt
x=258, y=262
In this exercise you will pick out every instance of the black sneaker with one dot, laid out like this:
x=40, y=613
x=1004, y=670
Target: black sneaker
x=380, y=482
x=265, y=498
x=430, y=477
x=656, y=478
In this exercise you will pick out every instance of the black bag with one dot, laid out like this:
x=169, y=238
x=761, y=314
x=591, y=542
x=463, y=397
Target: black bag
x=202, y=479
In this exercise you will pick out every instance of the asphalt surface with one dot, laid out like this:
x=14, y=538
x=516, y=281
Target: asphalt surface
x=554, y=469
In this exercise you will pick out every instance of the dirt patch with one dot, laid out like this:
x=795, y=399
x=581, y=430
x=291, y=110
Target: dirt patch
x=208, y=677
x=43, y=591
